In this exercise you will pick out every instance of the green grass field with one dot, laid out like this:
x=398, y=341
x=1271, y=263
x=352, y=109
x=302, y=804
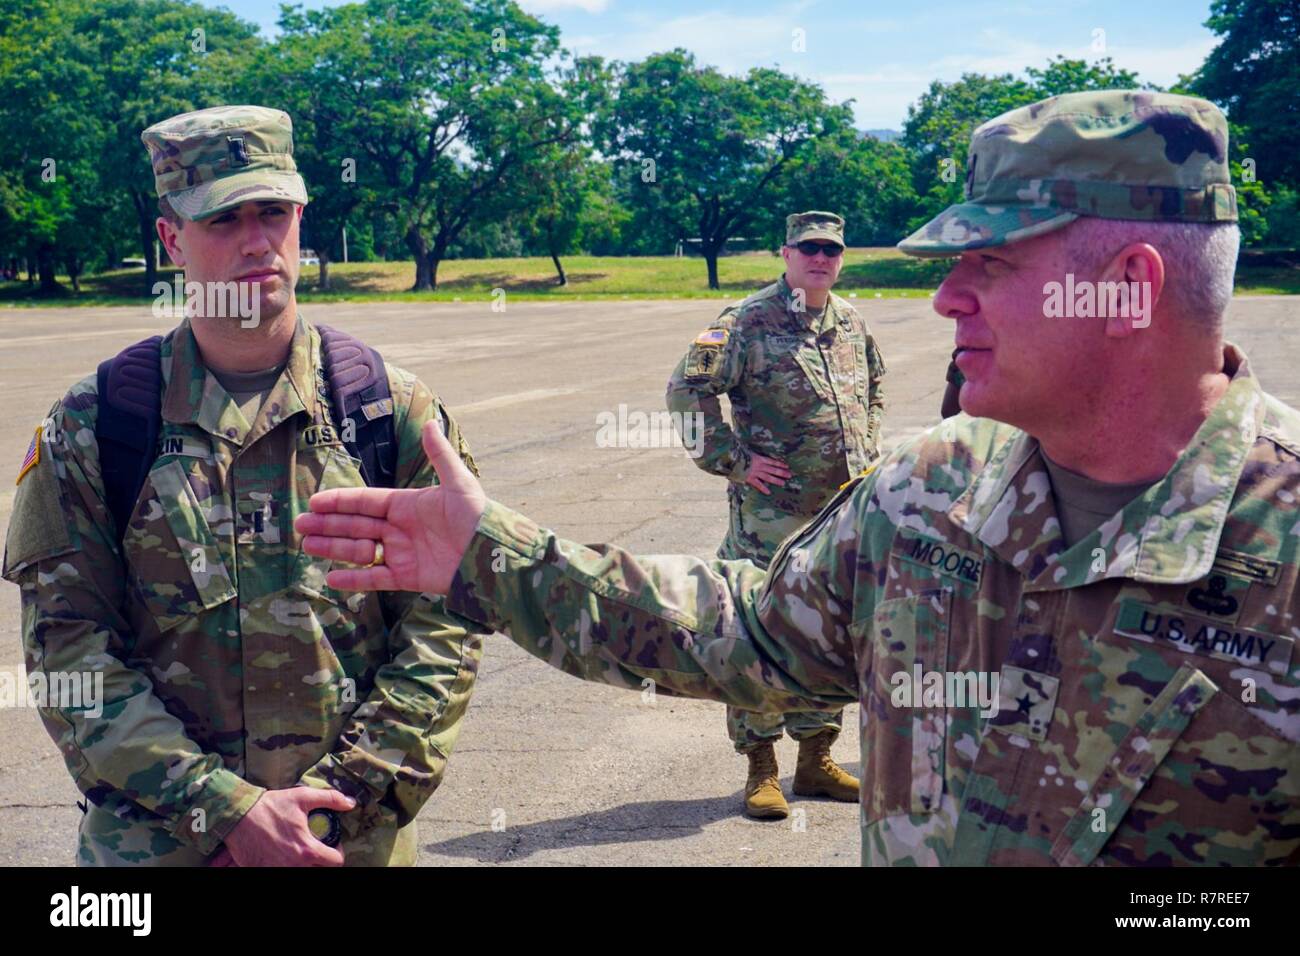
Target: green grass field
x=867, y=273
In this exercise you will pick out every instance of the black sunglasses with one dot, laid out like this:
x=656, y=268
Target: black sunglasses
x=810, y=248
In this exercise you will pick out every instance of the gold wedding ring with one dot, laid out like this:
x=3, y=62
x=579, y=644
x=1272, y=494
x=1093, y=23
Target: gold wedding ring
x=378, y=558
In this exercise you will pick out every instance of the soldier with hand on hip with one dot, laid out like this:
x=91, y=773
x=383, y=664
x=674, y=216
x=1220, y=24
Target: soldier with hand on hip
x=804, y=378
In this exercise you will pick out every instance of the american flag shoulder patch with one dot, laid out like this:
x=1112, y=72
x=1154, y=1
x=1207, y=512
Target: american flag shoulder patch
x=712, y=337
x=33, y=456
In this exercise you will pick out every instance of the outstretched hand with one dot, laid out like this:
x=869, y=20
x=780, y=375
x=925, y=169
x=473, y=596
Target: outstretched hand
x=424, y=531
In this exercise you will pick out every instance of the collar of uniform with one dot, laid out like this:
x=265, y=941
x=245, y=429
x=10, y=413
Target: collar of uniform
x=1168, y=535
x=828, y=318
x=192, y=395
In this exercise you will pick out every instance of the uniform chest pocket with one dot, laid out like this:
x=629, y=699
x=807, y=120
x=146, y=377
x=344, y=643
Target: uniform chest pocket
x=1196, y=776
x=903, y=740
x=851, y=354
x=177, y=567
x=809, y=360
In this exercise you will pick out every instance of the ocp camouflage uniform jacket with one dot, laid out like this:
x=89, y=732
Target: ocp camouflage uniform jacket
x=228, y=664
x=1148, y=693
x=809, y=394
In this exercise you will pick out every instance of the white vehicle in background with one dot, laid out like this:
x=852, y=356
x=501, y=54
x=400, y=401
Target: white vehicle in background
x=308, y=257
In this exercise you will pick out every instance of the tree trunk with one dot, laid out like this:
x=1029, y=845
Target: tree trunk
x=552, y=248
x=145, y=215
x=711, y=259
x=436, y=255
x=431, y=269
x=74, y=273
x=324, y=282
x=45, y=267
x=420, y=252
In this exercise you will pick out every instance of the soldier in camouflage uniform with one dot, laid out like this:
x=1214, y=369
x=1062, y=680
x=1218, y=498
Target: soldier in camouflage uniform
x=804, y=378
x=1147, y=703
x=241, y=691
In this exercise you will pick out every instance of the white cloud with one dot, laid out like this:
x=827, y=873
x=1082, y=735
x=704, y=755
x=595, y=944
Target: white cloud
x=729, y=42
x=551, y=6
x=883, y=95
x=1001, y=53
x=735, y=43
x=880, y=98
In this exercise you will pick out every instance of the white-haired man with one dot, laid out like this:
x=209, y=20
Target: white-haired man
x=1069, y=622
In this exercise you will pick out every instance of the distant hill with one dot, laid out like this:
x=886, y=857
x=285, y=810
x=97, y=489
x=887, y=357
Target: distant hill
x=884, y=135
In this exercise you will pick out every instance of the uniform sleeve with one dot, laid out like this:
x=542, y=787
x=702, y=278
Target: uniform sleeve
x=713, y=364
x=392, y=753
x=780, y=640
x=61, y=550
x=875, y=392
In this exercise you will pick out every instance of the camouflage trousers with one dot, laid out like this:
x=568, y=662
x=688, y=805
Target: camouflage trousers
x=749, y=729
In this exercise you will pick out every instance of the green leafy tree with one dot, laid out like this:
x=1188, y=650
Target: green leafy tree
x=1063, y=75
x=447, y=99
x=301, y=75
x=1254, y=74
x=553, y=191
x=938, y=128
x=50, y=163
x=866, y=181
x=701, y=153
x=152, y=59
x=602, y=219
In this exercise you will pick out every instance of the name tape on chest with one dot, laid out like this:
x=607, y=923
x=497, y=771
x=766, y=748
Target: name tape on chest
x=184, y=446
x=1198, y=635
x=940, y=557
x=784, y=343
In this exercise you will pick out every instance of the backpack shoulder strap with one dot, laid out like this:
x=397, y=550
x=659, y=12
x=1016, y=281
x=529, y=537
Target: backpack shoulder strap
x=127, y=423
x=359, y=388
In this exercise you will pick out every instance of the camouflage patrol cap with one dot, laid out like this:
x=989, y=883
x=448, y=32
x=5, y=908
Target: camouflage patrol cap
x=1113, y=154
x=211, y=160
x=813, y=225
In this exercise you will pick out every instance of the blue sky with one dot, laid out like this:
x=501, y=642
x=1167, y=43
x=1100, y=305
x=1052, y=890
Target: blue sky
x=882, y=55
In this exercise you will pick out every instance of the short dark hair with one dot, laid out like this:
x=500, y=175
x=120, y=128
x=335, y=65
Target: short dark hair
x=167, y=212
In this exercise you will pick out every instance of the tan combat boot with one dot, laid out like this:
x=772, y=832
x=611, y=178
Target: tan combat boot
x=817, y=775
x=763, y=797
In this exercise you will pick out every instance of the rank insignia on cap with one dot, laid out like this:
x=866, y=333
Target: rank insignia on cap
x=33, y=456
x=712, y=337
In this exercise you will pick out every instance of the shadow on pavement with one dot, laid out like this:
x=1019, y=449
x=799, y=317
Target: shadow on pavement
x=632, y=822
